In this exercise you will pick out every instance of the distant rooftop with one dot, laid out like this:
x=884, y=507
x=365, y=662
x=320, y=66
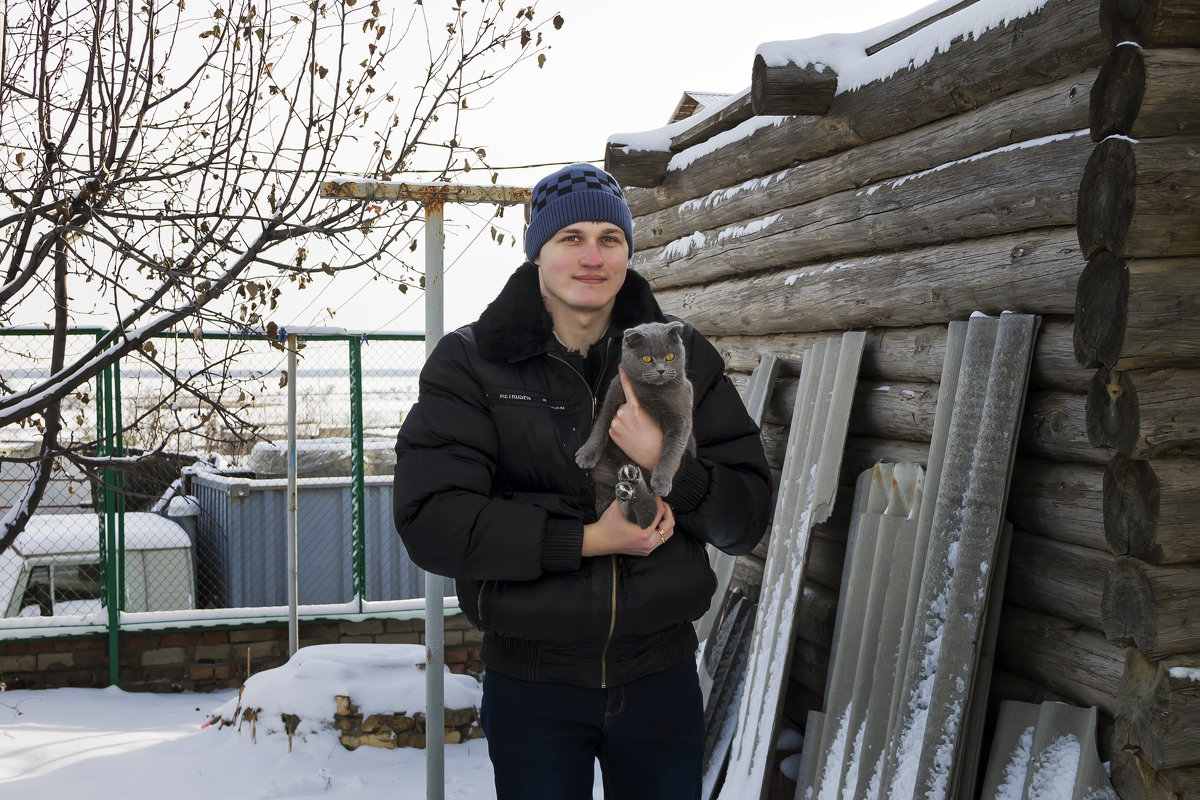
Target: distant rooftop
x=691, y=102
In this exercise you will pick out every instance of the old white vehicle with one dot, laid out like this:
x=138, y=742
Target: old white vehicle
x=53, y=568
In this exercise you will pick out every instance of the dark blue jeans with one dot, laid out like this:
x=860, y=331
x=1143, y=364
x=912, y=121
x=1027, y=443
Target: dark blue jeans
x=544, y=738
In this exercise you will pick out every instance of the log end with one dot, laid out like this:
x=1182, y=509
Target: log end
x=1131, y=505
x=1111, y=411
x=1101, y=306
x=1106, y=197
x=1118, y=92
x=634, y=167
x=1150, y=23
x=791, y=89
x=1127, y=608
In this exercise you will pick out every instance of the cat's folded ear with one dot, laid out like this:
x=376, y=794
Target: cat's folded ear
x=675, y=329
x=633, y=337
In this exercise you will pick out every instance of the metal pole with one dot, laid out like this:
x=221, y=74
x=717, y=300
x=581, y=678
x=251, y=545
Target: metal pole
x=435, y=635
x=293, y=571
x=433, y=196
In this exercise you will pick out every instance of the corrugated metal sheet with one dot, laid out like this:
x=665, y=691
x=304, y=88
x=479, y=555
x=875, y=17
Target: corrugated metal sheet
x=726, y=645
x=806, y=494
x=242, y=548
x=853, y=730
x=1046, y=750
x=964, y=542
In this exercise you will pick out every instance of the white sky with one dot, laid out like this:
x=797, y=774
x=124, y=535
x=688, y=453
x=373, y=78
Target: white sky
x=614, y=67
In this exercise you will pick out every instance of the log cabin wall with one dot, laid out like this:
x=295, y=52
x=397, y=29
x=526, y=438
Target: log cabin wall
x=1049, y=166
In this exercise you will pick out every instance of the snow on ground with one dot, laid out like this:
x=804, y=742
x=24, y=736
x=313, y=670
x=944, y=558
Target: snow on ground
x=139, y=746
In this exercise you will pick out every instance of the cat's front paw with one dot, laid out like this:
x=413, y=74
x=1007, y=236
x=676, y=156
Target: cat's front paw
x=587, y=456
x=660, y=482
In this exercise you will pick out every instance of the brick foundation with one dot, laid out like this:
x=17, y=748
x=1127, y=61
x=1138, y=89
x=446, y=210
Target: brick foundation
x=206, y=659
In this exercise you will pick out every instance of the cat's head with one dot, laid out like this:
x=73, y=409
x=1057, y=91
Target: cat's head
x=653, y=352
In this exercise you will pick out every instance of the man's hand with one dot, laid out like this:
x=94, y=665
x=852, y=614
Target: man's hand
x=612, y=533
x=634, y=431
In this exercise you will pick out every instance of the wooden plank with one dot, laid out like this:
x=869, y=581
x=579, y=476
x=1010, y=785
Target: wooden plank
x=1036, y=270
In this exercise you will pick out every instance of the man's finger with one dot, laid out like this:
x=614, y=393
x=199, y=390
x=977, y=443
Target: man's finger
x=627, y=388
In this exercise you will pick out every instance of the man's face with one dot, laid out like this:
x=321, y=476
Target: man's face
x=582, y=266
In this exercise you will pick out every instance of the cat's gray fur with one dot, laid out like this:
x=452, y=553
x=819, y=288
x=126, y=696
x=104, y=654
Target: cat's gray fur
x=664, y=392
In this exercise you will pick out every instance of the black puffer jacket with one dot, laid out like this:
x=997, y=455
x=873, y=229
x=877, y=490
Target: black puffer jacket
x=487, y=492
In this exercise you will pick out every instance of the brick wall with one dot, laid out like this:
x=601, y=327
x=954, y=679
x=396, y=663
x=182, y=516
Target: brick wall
x=205, y=659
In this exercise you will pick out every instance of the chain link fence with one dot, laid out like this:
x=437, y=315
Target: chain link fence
x=197, y=517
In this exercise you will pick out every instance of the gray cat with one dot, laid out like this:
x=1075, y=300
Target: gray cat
x=653, y=358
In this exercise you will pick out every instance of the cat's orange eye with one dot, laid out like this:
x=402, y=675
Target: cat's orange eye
x=647, y=359
x=670, y=356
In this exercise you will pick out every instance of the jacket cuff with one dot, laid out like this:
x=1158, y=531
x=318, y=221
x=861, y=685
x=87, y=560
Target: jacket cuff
x=562, y=547
x=689, y=486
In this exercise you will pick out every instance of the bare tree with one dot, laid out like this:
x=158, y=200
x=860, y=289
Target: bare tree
x=163, y=162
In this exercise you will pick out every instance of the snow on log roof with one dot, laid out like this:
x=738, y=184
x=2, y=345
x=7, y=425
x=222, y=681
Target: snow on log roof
x=857, y=59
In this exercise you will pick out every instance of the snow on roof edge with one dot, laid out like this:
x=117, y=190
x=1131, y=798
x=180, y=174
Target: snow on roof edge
x=846, y=54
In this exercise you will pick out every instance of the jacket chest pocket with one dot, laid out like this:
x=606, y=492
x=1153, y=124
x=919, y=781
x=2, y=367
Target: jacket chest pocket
x=537, y=436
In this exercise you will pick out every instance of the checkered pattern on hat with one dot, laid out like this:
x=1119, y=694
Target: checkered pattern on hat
x=580, y=178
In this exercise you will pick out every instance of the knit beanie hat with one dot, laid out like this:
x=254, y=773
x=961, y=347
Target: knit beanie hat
x=578, y=193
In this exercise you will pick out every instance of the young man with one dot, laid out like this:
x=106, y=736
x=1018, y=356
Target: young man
x=588, y=641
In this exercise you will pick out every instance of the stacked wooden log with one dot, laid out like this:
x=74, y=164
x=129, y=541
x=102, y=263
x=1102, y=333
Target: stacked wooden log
x=1136, y=325
x=974, y=182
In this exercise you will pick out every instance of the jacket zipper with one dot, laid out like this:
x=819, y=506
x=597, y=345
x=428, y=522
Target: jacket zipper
x=612, y=623
x=612, y=559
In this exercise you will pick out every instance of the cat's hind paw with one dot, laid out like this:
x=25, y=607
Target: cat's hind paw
x=630, y=473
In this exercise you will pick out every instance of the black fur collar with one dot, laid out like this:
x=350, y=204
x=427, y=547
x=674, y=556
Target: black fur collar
x=516, y=324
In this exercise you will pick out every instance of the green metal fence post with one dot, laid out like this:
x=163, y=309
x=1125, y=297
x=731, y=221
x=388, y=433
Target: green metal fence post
x=111, y=570
x=358, y=487
x=118, y=477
